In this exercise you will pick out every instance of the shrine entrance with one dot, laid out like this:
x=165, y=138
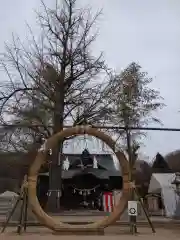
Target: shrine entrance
x=86, y=187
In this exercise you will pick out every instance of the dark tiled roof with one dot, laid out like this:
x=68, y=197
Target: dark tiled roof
x=160, y=165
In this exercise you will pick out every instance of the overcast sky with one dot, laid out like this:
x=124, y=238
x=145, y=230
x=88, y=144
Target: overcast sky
x=144, y=31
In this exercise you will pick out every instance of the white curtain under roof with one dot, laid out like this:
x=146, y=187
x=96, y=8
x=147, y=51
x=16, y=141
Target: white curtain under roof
x=93, y=144
x=79, y=143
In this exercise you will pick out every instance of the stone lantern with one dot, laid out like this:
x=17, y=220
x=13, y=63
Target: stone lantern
x=176, y=182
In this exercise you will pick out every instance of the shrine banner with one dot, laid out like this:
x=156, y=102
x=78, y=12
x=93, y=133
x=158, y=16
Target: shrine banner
x=108, y=202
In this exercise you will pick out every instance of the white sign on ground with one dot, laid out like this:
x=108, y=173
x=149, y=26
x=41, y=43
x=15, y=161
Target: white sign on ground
x=132, y=208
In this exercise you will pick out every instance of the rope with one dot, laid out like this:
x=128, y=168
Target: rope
x=83, y=190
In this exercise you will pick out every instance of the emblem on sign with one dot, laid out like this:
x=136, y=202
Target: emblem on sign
x=132, y=208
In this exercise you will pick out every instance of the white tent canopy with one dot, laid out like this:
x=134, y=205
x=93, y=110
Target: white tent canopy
x=162, y=183
x=161, y=180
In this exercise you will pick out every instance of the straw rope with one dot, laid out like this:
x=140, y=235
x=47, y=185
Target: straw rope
x=54, y=224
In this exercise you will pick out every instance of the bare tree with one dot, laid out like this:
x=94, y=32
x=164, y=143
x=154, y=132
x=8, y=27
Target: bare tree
x=53, y=80
x=56, y=78
x=135, y=102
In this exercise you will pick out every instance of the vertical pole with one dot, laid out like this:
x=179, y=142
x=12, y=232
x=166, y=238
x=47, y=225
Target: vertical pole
x=133, y=227
x=55, y=183
x=26, y=210
x=60, y=166
x=21, y=219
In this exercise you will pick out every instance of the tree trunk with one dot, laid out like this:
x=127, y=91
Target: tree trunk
x=55, y=180
x=132, y=219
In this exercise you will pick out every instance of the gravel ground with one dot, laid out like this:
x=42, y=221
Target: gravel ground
x=114, y=232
